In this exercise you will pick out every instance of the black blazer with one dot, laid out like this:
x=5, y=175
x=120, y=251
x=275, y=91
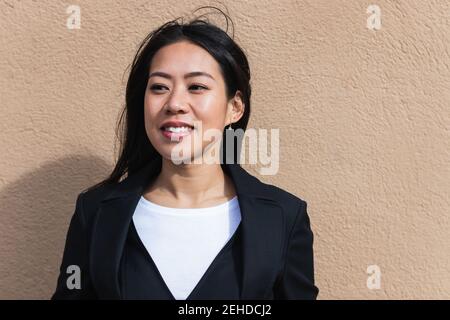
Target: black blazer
x=276, y=241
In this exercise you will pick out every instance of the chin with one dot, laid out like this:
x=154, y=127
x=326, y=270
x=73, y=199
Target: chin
x=186, y=159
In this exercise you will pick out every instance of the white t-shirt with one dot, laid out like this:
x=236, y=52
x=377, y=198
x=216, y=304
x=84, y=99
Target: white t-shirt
x=184, y=242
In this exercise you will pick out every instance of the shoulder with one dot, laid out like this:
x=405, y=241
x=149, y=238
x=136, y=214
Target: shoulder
x=284, y=196
x=293, y=211
x=88, y=201
x=248, y=183
x=292, y=204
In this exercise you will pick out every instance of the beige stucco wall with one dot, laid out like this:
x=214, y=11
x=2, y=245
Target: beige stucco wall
x=364, y=118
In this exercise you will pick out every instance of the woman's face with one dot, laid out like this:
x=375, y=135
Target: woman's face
x=185, y=85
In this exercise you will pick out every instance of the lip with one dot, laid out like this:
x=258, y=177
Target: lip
x=176, y=123
x=175, y=136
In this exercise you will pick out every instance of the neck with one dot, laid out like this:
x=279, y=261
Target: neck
x=192, y=183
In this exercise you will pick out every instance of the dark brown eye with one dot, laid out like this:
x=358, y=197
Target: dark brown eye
x=157, y=87
x=197, y=87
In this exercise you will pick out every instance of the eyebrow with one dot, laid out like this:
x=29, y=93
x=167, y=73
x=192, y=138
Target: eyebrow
x=187, y=75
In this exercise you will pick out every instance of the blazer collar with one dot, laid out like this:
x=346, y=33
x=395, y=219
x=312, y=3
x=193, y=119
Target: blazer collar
x=262, y=222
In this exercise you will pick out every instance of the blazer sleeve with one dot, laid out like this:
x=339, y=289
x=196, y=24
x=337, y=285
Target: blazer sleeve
x=297, y=279
x=76, y=253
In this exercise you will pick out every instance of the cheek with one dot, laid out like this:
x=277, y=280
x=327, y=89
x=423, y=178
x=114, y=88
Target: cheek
x=150, y=110
x=150, y=122
x=211, y=110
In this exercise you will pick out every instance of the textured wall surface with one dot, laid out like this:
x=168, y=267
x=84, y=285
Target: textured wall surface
x=364, y=118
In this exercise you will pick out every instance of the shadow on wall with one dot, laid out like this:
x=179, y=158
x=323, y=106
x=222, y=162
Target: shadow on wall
x=35, y=214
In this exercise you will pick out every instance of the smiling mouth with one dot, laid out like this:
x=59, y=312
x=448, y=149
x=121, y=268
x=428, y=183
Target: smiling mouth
x=175, y=133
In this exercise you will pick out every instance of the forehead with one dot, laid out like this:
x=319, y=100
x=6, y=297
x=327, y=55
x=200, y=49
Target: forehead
x=183, y=57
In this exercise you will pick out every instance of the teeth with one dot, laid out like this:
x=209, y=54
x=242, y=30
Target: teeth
x=178, y=129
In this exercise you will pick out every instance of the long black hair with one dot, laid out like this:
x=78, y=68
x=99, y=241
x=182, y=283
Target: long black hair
x=135, y=148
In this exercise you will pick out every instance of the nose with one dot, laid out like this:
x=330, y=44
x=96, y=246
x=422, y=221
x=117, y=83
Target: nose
x=176, y=103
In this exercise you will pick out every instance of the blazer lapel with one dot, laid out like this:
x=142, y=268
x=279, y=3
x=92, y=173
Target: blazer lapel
x=262, y=236
x=111, y=228
x=109, y=235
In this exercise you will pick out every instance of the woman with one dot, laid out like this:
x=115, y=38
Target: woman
x=195, y=229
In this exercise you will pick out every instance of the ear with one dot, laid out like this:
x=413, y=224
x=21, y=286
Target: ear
x=236, y=108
